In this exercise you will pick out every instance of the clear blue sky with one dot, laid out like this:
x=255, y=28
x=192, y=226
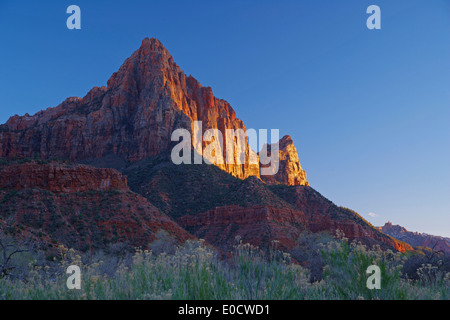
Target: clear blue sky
x=369, y=111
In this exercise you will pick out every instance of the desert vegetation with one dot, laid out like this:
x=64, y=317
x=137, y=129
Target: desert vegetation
x=321, y=267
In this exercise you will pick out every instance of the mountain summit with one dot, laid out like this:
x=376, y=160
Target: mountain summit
x=132, y=118
x=127, y=125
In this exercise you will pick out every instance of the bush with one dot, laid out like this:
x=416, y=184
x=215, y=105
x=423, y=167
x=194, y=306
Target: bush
x=195, y=271
x=308, y=252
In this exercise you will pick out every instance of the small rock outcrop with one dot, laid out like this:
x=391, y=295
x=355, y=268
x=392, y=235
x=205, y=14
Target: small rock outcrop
x=290, y=171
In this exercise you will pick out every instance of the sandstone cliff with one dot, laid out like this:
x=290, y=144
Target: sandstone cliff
x=290, y=171
x=133, y=117
x=59, y=177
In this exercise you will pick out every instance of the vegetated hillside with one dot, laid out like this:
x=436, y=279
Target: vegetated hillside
x=57, y=203
x=323, y=215
x=215, y=206
x=218, y=207
x=188, y=189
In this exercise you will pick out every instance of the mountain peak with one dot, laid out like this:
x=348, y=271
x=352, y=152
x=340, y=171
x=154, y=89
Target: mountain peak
x=132, y=118
x=151, y=45
x=151, y=61
x=285, y=142
x=286, y=138
x=150, y=41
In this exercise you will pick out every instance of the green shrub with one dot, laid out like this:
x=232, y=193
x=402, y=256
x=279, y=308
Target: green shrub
x=195, y=271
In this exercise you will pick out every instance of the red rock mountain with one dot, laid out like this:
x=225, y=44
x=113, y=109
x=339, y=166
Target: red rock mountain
x=417, y=239
x=132, y=118
x=131, y=121
x=290, y=171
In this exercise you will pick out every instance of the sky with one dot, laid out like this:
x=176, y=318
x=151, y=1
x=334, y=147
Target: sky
x=368, y=110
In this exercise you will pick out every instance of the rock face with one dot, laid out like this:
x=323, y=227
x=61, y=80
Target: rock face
x=290, y=171
x=78, y=206
x=59, y=177
x=417, y=239
x=132, y=118
x=257, y=225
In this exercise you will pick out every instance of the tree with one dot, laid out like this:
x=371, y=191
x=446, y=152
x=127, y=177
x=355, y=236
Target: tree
x=9, y=249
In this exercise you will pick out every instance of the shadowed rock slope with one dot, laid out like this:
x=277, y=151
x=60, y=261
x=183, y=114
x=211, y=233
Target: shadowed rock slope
x=79, y=206
x=216, y=206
